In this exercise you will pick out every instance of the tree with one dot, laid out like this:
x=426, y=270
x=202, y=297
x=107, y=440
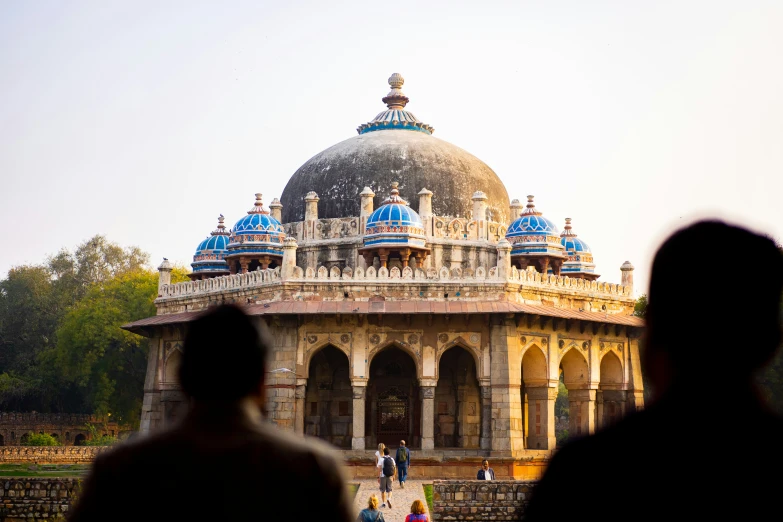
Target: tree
x=41, y=439
x=640, y=308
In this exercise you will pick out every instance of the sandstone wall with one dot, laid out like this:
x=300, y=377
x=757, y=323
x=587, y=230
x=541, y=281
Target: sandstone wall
x=49, y=454
x=25, y=499
x=480, y=500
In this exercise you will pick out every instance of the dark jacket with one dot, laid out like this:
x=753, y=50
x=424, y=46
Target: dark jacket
x=407, y=460
x=222, y=462
x=480, y=474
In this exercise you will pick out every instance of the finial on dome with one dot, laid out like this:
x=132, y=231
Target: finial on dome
x=567, y=229
x=530, y=209
x=221, y=227
x=258, y=206
x=396, y=99
x=394, y=196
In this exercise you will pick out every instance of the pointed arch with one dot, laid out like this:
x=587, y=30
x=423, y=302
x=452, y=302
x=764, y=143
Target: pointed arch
x=328, y=411
x=171, y=366
x=611, y=370
x=457, y=399
x=310, y=352
x=459, y=342
x=534, y=366
x=576, y=371
x=395, y=344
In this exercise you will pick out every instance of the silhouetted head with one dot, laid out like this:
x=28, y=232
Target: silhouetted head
x=714, y=302
x=223, y=356
x=385, y=451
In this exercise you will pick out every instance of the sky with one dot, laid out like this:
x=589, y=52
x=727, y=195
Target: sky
x=143, y=121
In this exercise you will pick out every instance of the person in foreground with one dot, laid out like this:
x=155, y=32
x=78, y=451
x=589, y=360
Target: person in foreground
x=223, y=461
x=371, y=513
x=705, y=445
x=417, y=513
x=485, y=473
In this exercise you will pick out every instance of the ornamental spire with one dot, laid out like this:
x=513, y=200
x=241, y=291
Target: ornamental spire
x=258, y=207
x=530, y=209
x=567, y=230
x=395, y=116
x=221, y=228
x=396, y=100
x=394, y=196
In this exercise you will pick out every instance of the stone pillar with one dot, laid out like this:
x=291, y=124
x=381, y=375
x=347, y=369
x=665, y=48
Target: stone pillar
x=486, y=417
x=541, y=417
x=365, y=207
x=635, y=396
x=164, y=275
x=581, y=408
x=276, y=209
x=311, y=214
x=151, y=407
x=299, y=407
x=359, y=393
x=506, y=379
x=479, y=206
x=626, y=276
x=427, y=417
x=289, y=258
x=425, y=210
x=504, y=259
x=516, y=210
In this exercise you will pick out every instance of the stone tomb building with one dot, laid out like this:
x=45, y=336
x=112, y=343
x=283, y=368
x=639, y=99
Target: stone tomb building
x=410, y=299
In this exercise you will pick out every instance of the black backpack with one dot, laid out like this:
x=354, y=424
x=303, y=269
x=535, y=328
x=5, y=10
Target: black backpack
x=388, y=466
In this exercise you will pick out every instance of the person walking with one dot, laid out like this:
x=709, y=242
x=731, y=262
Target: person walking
x=403, y=458
x=417, y=513
x=388, y=469
x=708, y=331
x=371, y=513
x=485, y=473
x=222, y=444
x=379, y=460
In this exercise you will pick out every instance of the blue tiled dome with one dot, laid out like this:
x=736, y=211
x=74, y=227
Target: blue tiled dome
x=258, y=233
x=394, y=223
x=210, y=255
x=532, y=233
x=579, y=257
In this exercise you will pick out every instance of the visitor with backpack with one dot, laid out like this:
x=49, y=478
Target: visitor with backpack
x=403, y=459
x=388, y=470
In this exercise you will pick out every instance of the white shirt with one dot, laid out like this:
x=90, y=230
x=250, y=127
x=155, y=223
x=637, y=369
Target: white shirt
x=379, y=465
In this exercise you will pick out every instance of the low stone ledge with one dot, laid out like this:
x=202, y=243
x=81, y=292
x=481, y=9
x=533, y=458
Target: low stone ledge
x=480, y=500
x=50, y=454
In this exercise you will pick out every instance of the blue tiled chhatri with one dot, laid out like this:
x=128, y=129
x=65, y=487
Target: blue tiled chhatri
x=579, y=262
x=257, y=233
x=532, y=233
x=394, y=224
x=210, y=255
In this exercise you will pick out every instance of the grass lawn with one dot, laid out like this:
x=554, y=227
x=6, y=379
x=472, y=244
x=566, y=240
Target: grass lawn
x=352, y=489
x=428, y=496
x=43, y=470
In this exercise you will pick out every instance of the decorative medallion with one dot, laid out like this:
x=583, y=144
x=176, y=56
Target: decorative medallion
x=312, y=339
x=603, y=346
x=443, y=338
x=585, y=345
x=375, y=338
x=561, y=343
x=544, y=341
x=523, y=340
x=344, y=338
x=474, y=338
x=413, y=339
x=620, y=346
x=439, y=224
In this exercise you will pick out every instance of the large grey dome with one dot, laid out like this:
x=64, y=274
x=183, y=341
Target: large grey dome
x=395, y=146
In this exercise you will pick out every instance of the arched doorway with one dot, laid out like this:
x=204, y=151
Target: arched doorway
x=611, y=396
x=328, y=399
x=79, y=440
x=457, y=401
x=24, y=439
x=534, y=396
x=393, y=405
x=575, y=377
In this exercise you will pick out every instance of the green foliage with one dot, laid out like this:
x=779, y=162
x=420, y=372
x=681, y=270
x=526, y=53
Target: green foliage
x=561, y=437
x=41, y=439
x=98, y=439
x=428, y=497
x=561, y=402
x=640, y=308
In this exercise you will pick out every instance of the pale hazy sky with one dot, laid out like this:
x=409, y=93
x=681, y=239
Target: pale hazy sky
x=143, y=121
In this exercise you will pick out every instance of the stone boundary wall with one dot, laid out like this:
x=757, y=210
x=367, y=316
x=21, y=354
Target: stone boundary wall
x=480, y=500
x=24, y=499
x=49, y=454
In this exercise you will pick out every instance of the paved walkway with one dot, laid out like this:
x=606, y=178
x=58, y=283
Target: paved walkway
x=401, y=498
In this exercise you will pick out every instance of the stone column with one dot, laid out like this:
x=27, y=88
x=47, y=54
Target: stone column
x=359, y=393
x=581, y=408
x=635, y=396
x=480, y=208
x=516, y=210
x=276, y=209
x=486, y=417
x=425, y=210
x=365, y=207
x=151, y=409
x=506, y=379
x=299, y=406
x=427, y=417
x=541, y=417
x=626, y=276
x=504, y=259
x=164, y=275
x=311, y=214
x=289, y=258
